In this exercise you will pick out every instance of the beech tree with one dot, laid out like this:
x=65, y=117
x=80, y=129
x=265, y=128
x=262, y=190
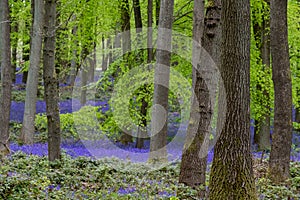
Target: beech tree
x=28, y=129
x=158, y=140
x=6, y=80
x=194, y=158
x=51, y=82
x=231, y=173
x=279, y=163
x=192, y=169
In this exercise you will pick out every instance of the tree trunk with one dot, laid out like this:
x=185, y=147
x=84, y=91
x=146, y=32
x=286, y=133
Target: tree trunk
x=25, y=60
x=14, y=51
x=158, y=140
x=297, y=117
x=110, y=58
x=51, y=82
x=92, y=63
x=137, y=15
x=262, y=134
x=138, y=27
x=150, y=56
x=279, y=163
x=26, y=51
x=84, y=76
x=142, y=129
x=126, y=41
x=6, y=81
x=74, y=67
x=265, y=135
x=116, y=45
x=231, y=174
x=193, y=165
x=192, y=169
x=126, y=48
x=104, y=57
x=28, y=129
x=157, y=11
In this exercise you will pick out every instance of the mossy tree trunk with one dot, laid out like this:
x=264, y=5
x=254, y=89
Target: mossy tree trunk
x=193, y=167
x=6, y=81
x=51, y=82
x=279, y=164
x=194, y=158
x=231, y=174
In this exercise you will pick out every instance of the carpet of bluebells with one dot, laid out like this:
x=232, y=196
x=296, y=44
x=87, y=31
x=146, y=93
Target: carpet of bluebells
x=103, y=169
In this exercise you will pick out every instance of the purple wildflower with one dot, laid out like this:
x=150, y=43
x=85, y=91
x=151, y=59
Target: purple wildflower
x=123, y=191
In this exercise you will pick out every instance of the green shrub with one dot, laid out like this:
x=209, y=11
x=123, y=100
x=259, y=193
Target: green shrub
x=89, y=123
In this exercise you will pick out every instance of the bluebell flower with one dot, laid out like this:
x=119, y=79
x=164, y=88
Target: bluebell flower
x=19, y=78
x=123, y=191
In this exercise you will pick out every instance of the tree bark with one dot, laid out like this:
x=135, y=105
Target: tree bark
x=74, y=62
x=116, y=45
x=157, y=11
x=193, y=165
x=279, y=164
x=137, y=15
x=231, y=174
x=126, y=39
x=14, y=51
x=28, y=129
x=142, y=131
x=84, y=76
x=26, y=50
x=150, y=56
x=297, y=117
x=51, y=82
x=92, y=63
x=126, y=48
x=6, y=81
x=262, y=134
x=104, y=63
x=158, y=140
x=192, y=169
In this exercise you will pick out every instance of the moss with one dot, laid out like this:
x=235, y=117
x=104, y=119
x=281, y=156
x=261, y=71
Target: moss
x=240, y=187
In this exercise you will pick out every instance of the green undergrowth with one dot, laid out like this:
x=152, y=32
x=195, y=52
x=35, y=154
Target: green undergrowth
x=88, y=123
x=30, y=177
